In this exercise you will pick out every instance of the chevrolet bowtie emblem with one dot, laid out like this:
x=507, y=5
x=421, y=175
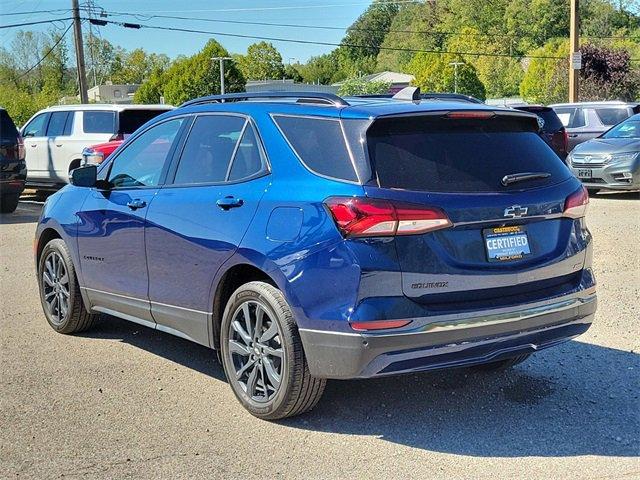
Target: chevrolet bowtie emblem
x=515, y=211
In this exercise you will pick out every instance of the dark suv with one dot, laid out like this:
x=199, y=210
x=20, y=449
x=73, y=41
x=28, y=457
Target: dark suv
x=306, y=236
x=13, y=169
x=552, y=130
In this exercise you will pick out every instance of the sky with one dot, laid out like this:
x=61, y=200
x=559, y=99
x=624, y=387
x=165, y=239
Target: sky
x=335, y=13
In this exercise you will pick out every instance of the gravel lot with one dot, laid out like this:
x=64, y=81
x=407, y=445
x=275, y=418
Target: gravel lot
x=125, y=401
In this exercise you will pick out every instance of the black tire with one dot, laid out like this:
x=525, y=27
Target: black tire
x=9, y=202
x=592, y=191
x=297, y=391
x=42, y=195
x=75, y=318
x=501, y=364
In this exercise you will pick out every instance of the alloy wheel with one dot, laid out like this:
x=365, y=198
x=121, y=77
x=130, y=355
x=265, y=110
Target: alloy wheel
x=55, y=287
x=255, y=348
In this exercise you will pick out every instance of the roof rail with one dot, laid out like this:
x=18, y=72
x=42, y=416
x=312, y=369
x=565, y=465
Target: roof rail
x=301, y=97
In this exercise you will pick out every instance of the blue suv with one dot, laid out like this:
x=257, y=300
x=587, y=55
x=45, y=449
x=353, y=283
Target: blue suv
x=305, y=237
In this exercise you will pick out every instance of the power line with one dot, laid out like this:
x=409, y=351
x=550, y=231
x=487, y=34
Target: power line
x=312, y=42
x=54, y=11
x=25, y=24
x=149, y=16
x=48, y=52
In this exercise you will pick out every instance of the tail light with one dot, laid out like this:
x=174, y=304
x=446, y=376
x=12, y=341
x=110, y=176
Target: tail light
x=575, y=206
x=470, y=114
x=21, y=152
x=367, y=217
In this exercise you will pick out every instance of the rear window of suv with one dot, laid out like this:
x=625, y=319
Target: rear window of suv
x=436, y=154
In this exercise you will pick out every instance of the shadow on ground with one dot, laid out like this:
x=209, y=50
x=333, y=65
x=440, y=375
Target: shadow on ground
x=574, y=399
x=27, y=212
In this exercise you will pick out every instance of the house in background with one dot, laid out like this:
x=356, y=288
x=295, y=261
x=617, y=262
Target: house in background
x=112, y=93
x=397, y=80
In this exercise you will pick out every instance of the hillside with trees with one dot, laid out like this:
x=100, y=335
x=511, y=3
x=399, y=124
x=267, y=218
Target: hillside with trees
x=503, y=48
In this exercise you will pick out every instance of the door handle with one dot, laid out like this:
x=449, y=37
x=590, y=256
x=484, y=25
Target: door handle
x=572, y=135
x=58, y=144
x=229, y=202
x=34, y=145
x=137, y=203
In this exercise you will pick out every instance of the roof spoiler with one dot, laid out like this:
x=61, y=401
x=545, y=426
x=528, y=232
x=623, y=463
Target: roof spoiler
x=408, y=94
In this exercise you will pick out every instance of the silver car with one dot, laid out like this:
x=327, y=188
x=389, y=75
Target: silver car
x=612, y=160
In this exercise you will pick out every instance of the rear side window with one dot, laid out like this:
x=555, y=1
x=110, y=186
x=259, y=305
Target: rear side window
x=8, y=131
x=320, y=145
x=570, y=116
x=130, y=120
x=446, y=155
x=208, y=151
x=612, y=116
x=551, y=120
x=99, y=122
x=58, y=124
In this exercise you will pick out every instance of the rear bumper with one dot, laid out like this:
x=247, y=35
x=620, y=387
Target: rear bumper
x=450, y=340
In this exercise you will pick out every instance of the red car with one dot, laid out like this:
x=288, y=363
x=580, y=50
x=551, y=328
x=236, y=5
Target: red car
x=96, y=154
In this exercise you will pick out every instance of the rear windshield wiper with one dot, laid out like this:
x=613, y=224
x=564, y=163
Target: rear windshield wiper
x=521, y=177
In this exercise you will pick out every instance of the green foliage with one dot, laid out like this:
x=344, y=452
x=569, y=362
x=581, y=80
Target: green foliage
x=359, y=86
x=293, y=72
x=547, y=79
x=262, y=62
x=321, y=69
x=192, y=77
x=434, y=73
x=137, y=66
x=369, y=30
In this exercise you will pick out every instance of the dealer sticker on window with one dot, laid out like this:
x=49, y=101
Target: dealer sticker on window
x=506, y=243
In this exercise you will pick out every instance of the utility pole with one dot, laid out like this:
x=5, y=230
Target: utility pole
x=455, y=75
x=221, y=60
x=77, y=33
x=575, y=59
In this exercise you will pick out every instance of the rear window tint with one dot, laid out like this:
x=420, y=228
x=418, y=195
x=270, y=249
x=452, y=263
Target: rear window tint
x=57, y=124
x=437, y=155
x=320, y=144
x=99, y=122
x=8, y=131
x=612, y=116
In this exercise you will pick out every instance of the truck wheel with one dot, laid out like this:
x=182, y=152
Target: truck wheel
x=9, y=202
x=262, y=354
x=59, y=290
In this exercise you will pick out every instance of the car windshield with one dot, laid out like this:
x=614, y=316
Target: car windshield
x=628, y=129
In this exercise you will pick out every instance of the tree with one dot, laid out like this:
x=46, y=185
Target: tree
x=434, y=73
x=191, y=77
x=359, y=86
x=546, y=80
x=262, y=62
x=321, y=69
x=606, y=74
x=137, y=66
x=293, y=72
x=369, y=30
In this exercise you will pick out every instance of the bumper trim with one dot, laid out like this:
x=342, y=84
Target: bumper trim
x=460, y=340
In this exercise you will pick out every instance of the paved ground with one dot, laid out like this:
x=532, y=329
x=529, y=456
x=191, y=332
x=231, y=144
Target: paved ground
x=125, y=401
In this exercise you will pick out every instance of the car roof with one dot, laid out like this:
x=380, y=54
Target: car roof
x=350, y=107
x=107, y=107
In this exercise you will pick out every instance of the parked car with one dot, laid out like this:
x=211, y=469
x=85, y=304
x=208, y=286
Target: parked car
x=612, y=160
x=55, y=137
x=306, y=236
x=13, y=169
x=551, y=128
x=585, y=121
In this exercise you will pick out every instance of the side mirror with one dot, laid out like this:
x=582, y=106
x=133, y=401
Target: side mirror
x=86, y=176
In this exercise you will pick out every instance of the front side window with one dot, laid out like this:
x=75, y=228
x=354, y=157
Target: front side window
x=208, y=151
x=57, y=124
x=142, y=161
x=37, y=126
x=320, y=145
x=99, y=122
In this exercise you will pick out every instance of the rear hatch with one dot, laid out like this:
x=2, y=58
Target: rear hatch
x=509, y=236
